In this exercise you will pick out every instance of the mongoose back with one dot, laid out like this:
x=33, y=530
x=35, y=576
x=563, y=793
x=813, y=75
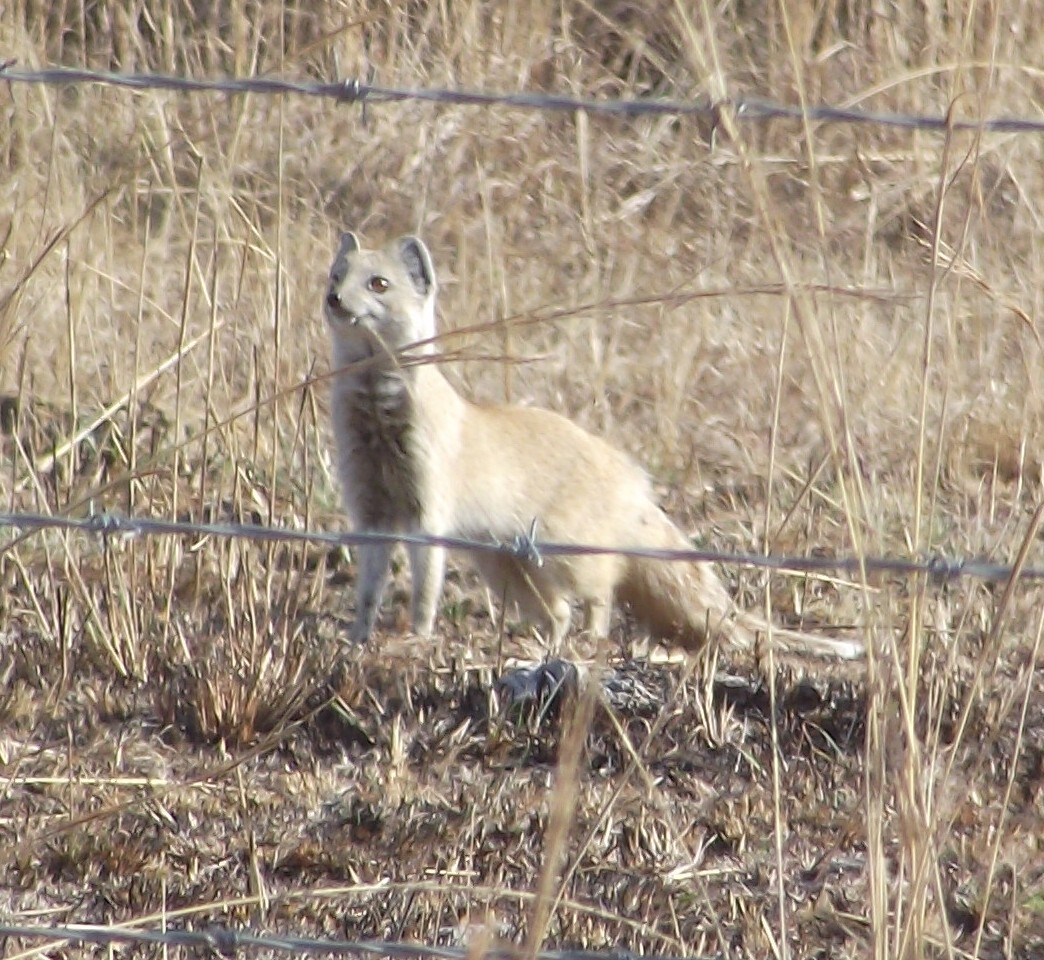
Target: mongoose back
x=414, y=456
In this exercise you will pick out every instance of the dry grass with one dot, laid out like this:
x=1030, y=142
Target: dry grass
x=163, y=735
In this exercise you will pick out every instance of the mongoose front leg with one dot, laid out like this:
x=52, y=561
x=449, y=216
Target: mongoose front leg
x=374, y=561
x=427, y=567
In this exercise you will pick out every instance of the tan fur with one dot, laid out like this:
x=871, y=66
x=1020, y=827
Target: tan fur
x=414, y=456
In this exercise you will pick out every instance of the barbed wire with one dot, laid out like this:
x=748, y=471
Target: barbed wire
x=353, y=90
x=226, y=941
x=525, y=547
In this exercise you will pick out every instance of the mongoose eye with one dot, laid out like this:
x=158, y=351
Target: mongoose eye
x=377, y=284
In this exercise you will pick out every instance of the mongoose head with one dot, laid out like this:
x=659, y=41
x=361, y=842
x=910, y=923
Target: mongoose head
x=381, y=300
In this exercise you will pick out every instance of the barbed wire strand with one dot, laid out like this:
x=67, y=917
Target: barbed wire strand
x=524, y=547
x=744, y=108
x=227, y=941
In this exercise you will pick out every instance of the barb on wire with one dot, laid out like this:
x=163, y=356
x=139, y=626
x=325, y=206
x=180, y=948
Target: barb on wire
x=524, y=546
x=226, y=942
x=354, y=90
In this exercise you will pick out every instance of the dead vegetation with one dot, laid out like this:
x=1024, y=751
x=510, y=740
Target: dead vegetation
x=818, y=341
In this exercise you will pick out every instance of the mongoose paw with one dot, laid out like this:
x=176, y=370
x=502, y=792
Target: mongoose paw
x=360, y=632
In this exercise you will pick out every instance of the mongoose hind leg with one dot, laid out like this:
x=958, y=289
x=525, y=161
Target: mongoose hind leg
x=597, y=615
x=560, y=615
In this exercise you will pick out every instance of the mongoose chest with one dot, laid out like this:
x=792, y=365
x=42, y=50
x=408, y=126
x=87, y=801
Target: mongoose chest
x=380, y=457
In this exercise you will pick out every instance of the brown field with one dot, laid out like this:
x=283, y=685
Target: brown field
x=819, y=339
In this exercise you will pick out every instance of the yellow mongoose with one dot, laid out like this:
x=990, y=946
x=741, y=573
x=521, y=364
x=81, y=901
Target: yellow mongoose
x=415, y=456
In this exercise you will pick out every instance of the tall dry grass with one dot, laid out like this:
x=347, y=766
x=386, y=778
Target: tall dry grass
x=163, y=263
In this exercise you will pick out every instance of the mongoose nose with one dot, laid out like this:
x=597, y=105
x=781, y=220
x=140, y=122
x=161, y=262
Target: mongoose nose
x=333, y=300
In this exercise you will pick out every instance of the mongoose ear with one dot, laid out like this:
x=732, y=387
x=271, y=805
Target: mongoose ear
x=349, y=241
x=417, y=260
x=349, y=244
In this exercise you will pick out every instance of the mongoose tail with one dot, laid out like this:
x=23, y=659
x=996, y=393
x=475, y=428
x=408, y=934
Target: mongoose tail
x=687, y=604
